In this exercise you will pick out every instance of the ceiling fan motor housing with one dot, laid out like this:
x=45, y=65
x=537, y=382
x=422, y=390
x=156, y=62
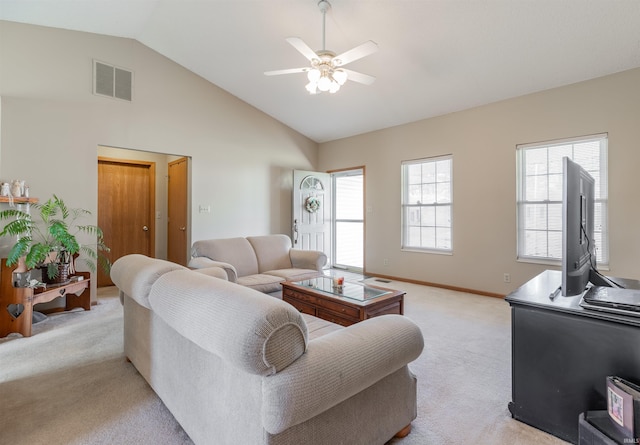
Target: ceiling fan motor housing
x=324, y=6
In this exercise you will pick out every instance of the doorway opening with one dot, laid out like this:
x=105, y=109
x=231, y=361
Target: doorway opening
x=166, y=222
x=348, y=219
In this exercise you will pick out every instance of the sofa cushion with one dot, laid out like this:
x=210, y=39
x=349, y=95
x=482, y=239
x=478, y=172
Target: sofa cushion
x=317, y=327
x=135, y=274
x=262, y=282
x=294, y=274
x=272, y=251
x=254, y=332
x=236, y=251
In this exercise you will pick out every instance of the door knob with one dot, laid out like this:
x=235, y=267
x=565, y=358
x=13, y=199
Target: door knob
x=183, y=228
x=145, y=228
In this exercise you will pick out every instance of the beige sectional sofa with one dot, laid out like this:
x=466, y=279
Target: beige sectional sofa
x=258, y=262
x=235, y=366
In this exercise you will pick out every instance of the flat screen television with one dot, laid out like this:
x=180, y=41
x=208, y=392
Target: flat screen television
x=578, y=246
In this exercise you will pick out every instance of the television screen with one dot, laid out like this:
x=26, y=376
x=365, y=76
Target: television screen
x=577, y=227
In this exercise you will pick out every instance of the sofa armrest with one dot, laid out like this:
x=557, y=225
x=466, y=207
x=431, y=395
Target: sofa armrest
x=248, y=330
x=214, y=271
x=135, y=274
x=337, y=366
x=307, y=259
x=203, y=262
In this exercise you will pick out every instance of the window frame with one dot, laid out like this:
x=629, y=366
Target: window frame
x=404, y=246
x=601, y=199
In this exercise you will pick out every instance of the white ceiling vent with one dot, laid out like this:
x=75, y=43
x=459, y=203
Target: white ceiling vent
x=112, y=81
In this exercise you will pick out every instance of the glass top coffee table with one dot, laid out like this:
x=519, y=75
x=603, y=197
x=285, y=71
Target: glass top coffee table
x=346, y=305
x=355, y=291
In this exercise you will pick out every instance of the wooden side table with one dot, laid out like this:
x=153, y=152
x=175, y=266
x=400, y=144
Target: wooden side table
x=75, y=292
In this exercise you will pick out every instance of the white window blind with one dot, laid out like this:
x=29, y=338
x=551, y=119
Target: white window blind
x=539, y=195
x=427, y=200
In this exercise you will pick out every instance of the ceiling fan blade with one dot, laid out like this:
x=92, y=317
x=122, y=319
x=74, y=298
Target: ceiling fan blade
x=368, y=47
x=359, y=77
x=289, y=71
x=303, y=48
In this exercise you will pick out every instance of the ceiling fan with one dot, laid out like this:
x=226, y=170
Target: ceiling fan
x=326, y=72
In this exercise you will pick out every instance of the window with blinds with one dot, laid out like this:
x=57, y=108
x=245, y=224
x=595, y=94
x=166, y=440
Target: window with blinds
x=539, y=196
x=427, y=201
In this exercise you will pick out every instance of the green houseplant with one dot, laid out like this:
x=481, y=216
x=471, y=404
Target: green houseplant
x=48, y=240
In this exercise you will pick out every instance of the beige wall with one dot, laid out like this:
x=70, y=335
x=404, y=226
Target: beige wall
x=483, y=143
x=52, y=125
x=50, y=122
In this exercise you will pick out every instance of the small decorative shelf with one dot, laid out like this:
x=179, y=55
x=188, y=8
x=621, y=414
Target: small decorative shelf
x=19, y=200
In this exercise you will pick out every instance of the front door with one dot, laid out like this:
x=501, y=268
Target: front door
x=126, y=208
x=312, y=211
x=177, y=233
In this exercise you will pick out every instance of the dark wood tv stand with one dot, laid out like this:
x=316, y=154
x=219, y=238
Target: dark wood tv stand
x=561, y=354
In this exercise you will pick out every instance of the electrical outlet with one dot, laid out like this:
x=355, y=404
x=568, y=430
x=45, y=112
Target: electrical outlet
x=507, y=278
x=385, y=261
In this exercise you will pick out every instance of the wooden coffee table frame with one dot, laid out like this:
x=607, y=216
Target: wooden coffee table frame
x=341, y=310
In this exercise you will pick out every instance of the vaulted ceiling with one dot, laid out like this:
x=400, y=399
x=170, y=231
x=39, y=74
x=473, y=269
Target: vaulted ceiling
x=435, y=56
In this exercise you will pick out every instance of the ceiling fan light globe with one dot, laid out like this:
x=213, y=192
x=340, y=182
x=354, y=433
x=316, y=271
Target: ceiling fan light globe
x=324, y=83
x=313, y=75
x=340, y=76
x=311, y=87
x=334, y=87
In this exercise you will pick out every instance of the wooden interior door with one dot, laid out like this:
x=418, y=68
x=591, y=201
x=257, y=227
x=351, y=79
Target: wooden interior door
x=126, y=208
x=177, y=225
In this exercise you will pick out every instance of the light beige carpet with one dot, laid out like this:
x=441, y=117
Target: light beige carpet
x=70, y=384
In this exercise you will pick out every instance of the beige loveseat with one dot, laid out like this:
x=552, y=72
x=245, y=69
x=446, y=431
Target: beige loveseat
x=258, y=262
x=235, y=366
